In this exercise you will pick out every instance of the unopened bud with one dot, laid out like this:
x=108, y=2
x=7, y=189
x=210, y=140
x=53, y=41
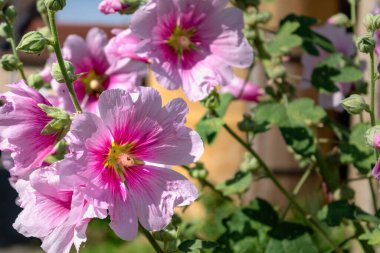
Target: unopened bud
x=354, y=104
x=57, y=73
x=366, y=44
x=372, y=137
x=376, y=22
x=9, y=62
x=41, y=7
x=55, y=5
x=32, y=43
x=247, y=124
x=36, y=81
x=339, y=19
x=368, y=22
x=5, y=30
x=10, y=13
x=132, y=6
x=199, y=171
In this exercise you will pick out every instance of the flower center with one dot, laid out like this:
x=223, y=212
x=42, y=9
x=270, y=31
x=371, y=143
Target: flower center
x=181, y=40
x=93, y=83
x=120, y=158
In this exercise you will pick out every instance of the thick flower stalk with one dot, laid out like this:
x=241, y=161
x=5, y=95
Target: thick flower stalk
x=192, y=44
x=21, y=123
x=96, y=73
x=122, y=157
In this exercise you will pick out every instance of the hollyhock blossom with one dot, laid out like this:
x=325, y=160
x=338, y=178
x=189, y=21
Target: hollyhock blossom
x=118, y=152
x=192, y=44
x=243, y=90
x=112, y=6
x=54, y=209
x=88, y=56
x=21, y=123
x=343, y=42
x=376, y=170
x=121, y=51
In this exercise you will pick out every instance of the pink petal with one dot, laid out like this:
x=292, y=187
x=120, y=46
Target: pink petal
x=124, y=219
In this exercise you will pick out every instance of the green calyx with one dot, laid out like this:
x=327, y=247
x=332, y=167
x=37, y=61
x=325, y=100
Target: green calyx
x=181, y=41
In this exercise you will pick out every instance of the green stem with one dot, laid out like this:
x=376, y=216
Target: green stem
x=372, y=90
x=289, y=196
x=12, y=41
x=57, y=50
x=298, y=186
x=207, y=183
x=150, y=238
x=353, y=15
x=373, y=194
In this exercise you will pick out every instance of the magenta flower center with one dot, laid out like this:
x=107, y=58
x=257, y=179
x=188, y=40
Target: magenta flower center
x=93, y=83
x=181, y=40
x=120, y=158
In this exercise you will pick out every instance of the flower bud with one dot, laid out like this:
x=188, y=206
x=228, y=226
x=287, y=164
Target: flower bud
x=372, y=137
x=354, y=104
x=366, y=44
x=9, y=62
x=10, y=13
x=41, y=7
x=55, y=5
x=133, y=5
x=36, y=81
x=376, y=22
x=368, y=22
x=199, y=171
x=5, y=30
x=32, y=43
x=339, y=19
x=250, y=163
x=57, y=73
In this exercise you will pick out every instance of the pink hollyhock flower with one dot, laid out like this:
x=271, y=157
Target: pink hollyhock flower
x=376, y=170
x=343, y=42
x=88, y=56
x=118, y=152
x=243, y=90
x=21, y=123
x=121, y=51
x=112, y=6
x=54, y=209
x=192, y=43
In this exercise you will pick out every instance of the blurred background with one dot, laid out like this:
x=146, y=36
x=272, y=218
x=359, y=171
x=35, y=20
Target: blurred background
x=77, y=18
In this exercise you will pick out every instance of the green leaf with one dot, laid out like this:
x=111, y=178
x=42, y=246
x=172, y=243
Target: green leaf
x=285, y=39
x=239, y=184
x=224, y=101
x=195, y=246
x=301, y=244
x=54, y=112
x=356, y=151
x=288, y=231
x=261, y=211
x=334, y=213
x=292, y=123
x=310, y=39
x=209, y=128
x=373, y=237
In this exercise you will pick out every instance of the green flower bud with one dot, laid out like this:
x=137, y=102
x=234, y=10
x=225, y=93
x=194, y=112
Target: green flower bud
x=9, y=62
x=368, y=22
x=354, y=104
x=339, y=19
x=133, y=5
x=2, y=4
x=5, y=30
x=372, y=137
x=198, y=172
x=60, y=124
x=32, y=43
x=41, y=7
x=10, y=13
x=249, y=33
x=376, y=22
x=250, y=163
x=55, y=5
x=366, y=44
x=36, y=81
x=57, y=73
